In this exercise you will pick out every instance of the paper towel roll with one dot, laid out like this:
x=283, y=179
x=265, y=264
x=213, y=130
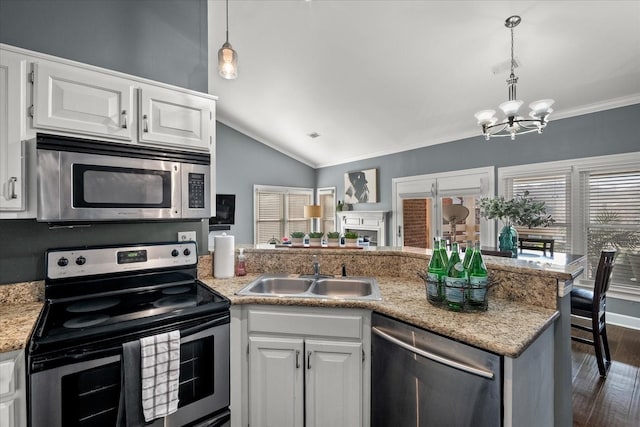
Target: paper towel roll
x=223, y=256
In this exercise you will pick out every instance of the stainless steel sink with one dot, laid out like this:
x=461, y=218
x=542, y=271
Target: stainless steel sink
x=277, y=286
x=351, y=288
x=343, y=288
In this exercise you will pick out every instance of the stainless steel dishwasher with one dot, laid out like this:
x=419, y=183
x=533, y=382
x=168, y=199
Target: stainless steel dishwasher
x=419, y=378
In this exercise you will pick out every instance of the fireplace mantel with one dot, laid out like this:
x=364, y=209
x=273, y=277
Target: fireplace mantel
x=362, y=221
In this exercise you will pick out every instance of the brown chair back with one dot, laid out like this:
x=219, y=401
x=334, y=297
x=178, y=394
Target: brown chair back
x=603, y=274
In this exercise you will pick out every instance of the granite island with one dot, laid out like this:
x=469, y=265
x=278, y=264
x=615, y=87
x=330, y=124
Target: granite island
x=527, y=306
x=529, y=300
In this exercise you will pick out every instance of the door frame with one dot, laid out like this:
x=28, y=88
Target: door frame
x=430, y=183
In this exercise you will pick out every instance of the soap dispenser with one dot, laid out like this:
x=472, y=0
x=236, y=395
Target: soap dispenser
x=306, y=241
x=241, y=269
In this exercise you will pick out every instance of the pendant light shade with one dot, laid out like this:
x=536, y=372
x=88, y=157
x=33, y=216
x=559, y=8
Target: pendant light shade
x=227, y=57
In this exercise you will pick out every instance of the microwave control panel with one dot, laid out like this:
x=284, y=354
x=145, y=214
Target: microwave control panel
x=196, y=191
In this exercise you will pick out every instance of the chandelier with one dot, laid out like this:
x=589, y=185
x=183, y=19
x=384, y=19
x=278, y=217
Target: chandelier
x=227, y=57
x=513, y=124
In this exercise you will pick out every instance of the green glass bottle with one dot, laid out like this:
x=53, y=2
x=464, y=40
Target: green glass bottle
x=443, y=252
x=467, y=254
x=478, y=279
x=435, y=274
x=455, y=281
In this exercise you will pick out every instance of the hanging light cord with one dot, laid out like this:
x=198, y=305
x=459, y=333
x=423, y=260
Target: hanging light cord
x=227, y=13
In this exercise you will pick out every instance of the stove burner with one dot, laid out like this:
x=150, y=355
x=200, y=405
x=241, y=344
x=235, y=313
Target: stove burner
x=86, y=321
x=178, y=301
x=176, y=290
x=94, y=304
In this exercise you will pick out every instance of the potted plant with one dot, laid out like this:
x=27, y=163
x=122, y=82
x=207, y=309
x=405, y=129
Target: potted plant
x=351, y=238
x=315, y=238
x=521, y=210
x=333, y=238
x=296, y=238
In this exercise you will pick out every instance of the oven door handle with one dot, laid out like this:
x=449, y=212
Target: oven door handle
x=204, y=326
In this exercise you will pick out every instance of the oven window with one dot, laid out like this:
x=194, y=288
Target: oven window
x=90, y=398
x=116, y=187
x=196, y=370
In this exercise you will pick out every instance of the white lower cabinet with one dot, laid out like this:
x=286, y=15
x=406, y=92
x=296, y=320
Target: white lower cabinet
x=13, y=403
x=304, y=367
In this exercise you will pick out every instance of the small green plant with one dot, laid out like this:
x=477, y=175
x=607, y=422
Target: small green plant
x=522, y=210
x=333, y=235
x=316, y=234
x=297, y=234
x=350, y=235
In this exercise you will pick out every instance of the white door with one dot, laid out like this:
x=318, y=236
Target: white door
x=175, y=118
x=12, y=161
x=76, y=100
x=432, y=194
x=333, y=383
x=276, y=382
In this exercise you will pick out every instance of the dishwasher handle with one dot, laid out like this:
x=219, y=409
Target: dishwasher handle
x=443, y=360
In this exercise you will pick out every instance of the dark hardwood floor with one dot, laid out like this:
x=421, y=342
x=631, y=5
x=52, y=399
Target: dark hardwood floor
x=614, y=401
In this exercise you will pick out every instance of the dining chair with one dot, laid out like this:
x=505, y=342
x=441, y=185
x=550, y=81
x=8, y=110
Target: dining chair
x=592, y=305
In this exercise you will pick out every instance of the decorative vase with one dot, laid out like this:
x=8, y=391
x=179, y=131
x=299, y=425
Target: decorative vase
x=333, y=242
x=296, y=241
x=352, y=243
x=508, y=240
x=315, y=241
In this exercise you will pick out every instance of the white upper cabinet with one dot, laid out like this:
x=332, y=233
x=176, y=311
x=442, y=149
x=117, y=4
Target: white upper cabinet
x=12, y=156
x=78, y=100
x=175, y=118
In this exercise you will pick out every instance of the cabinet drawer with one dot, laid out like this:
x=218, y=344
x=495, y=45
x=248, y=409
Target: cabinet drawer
x=330, y=324
x=7, y=413
x=7, y=383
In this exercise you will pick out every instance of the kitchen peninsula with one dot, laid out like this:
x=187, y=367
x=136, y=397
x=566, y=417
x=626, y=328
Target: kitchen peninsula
x=527, y=315
x=528, y=310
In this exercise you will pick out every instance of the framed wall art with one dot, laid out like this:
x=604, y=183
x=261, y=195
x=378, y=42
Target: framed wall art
x=361, y=186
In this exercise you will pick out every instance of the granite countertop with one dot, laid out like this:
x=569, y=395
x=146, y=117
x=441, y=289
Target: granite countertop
x=506, y=328
x=16, y=322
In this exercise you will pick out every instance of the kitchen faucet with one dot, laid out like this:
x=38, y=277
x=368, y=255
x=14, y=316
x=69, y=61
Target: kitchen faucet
x=316, y=266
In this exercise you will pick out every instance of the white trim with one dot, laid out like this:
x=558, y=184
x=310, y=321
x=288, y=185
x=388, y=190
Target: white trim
x=623, y=320
x=427, y=186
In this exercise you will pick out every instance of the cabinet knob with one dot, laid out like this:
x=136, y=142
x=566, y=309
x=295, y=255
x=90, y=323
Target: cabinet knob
x=124, y=119
x=145, y=123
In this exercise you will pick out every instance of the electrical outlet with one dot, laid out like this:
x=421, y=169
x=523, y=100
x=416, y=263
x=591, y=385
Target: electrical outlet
x=184, y=236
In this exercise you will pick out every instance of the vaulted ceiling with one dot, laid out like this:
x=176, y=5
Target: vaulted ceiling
x=379, y=77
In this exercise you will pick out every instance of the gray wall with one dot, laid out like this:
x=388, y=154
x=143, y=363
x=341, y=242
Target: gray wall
x=607, y=132
x=242, y=162
x=159, y=40
x=163, y=40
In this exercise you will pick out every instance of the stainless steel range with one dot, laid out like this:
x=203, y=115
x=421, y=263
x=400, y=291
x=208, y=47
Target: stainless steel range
x=84, y=357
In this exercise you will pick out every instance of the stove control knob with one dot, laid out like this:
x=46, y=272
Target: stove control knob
x=81, y=260
x=63, y=262
x=175, y=253
x=186, y=252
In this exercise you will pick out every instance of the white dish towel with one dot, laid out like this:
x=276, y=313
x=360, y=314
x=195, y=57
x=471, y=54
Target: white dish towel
x=160, y=363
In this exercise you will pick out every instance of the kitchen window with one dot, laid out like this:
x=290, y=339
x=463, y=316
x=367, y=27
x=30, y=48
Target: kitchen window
x=596, y=203
x=279, y=211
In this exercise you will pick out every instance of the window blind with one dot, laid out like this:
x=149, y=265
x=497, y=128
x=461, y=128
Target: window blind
x=555, y=191
x=279, y=211
x=611, y=214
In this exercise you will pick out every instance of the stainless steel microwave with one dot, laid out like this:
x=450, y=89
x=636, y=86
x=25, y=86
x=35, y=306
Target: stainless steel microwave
x=87, y=180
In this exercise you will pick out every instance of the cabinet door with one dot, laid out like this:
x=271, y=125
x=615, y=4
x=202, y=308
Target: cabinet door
x=77, y=100
x=333, y=383
x=275, y=382
x=175, y=118
x=12, y=171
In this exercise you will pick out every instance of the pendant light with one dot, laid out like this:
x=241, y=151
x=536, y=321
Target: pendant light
x=227, y=57
x=513, y=124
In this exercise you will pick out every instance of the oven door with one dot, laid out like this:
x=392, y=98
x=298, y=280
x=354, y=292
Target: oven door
x=86, y=391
